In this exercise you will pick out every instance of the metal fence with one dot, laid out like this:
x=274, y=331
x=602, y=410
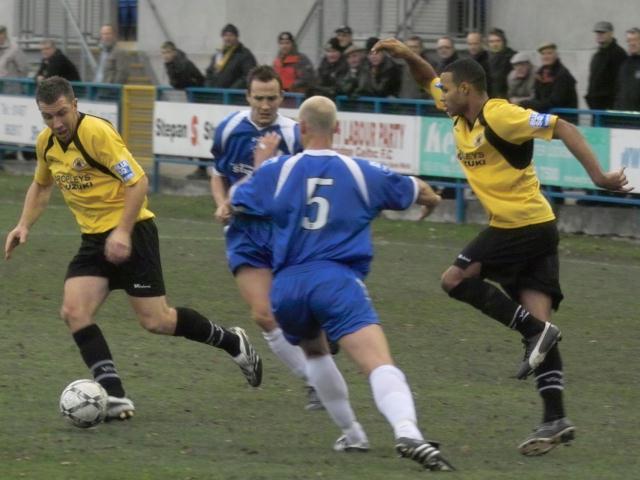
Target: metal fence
x=113, y=93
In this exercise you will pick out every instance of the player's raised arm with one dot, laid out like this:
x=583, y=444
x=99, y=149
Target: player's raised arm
x=35, y=202
x=421, y=70
x=578, y=146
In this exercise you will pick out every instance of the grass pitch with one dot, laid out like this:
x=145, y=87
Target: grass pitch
x=197, y=419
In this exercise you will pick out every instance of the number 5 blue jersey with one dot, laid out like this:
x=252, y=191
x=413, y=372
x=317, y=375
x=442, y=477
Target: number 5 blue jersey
x=321, y=204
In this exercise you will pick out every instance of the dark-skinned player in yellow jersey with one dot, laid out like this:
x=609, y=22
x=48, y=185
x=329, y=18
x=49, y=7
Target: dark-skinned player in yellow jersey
x=519, y=249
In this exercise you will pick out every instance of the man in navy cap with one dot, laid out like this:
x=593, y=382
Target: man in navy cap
x=344, y=34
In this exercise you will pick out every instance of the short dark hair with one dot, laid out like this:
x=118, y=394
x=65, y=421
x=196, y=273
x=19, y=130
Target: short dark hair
x=470, y=71
x=168, y=45
x=498, y=32
x=415, y=38
x=263, y=73
x=51, y=89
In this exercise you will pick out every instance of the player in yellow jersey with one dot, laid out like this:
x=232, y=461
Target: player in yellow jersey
x=519, y=249
x=106, y=189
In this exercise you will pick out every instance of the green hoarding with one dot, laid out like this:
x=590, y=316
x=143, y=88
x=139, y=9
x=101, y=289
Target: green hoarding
x=554, y=163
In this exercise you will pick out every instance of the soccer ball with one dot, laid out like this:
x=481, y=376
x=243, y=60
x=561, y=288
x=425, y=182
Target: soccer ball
x=84, y=403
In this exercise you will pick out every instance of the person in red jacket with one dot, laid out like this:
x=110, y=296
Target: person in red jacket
x=295, y=68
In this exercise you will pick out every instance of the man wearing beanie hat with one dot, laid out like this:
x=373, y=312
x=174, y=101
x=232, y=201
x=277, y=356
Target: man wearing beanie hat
x=604, y=68
x=229, y=68
x=231, y=64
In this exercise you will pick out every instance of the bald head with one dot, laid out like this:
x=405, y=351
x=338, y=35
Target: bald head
x=318, y=115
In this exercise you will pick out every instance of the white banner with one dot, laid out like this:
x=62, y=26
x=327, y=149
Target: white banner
x=187, y=130
x=625, y=152
x=388, y=139
x=21, y=121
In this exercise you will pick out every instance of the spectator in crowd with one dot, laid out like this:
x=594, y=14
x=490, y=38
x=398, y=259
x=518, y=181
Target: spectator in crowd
x=555, y=87
x=348, y=83
x=628, y=97
x=113, y=62
x=13, y=62
x=521, y=79
x=344, y=34
x=499, y=63
x=604, y=68
x=55, y=63
x=409, y=88
x=475, y=48
x=447, y=53
x=295, y=69
x=230, y=65
x=332, y=67
x=382, y=76
x=181, y=71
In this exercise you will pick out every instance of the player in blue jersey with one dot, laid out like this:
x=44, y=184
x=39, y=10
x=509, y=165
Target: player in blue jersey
x=321, y=205
x=258, y=132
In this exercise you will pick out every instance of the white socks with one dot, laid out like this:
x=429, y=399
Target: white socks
x=291, y=355
x=394, y=400
x=331, y=388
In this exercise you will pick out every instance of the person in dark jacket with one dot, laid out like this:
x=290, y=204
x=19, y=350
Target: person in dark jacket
x=332, y=67
x=447, y=53
x=604, y=68
x=347, y=84
x=475, y=48
x=555, y=87
x=55, y=63
x=628, y=97
x=230, y=66
x=499, y=63
x=382, y=75
x=181, y=71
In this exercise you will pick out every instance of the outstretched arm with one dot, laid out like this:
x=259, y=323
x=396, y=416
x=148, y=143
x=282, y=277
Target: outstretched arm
x=35, y=202
x=427, y=198
x=578, y=146
x=421, y=70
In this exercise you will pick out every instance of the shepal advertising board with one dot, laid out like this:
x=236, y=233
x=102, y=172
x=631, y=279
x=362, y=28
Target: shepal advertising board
x=187, y=130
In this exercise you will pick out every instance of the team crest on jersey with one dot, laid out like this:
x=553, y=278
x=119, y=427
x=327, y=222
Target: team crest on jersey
x=124, y=170
x=539, y=120
x=79, y=164
x=478, y=140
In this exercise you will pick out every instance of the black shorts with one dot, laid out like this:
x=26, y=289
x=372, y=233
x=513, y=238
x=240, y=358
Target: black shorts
x=140, y=276
x=518, y=259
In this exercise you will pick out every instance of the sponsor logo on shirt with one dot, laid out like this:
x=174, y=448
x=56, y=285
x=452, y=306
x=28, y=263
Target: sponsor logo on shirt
x=124, y=170
x=79, y=164
x=539, y=120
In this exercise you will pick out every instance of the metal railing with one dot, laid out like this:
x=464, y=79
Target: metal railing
x=603, y=118
x=110, y=92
